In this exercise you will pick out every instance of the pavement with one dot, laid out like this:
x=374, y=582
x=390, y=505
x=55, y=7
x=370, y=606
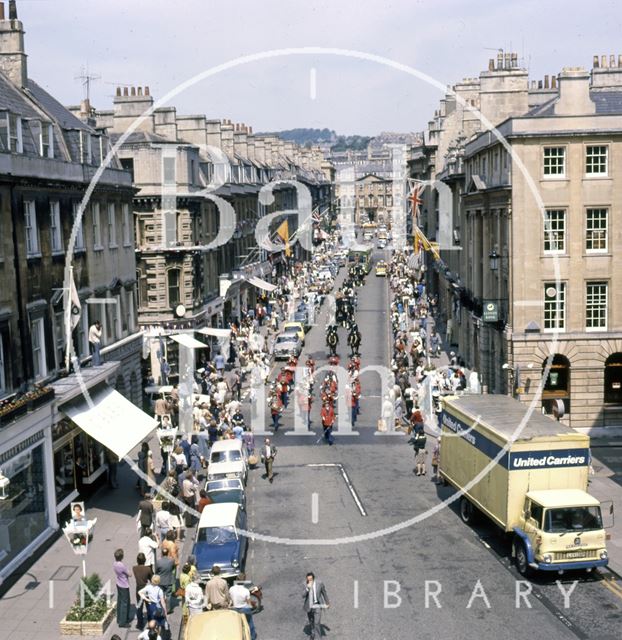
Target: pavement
x=356, y=515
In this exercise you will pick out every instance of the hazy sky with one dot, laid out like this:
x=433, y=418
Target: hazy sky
x=162, y=43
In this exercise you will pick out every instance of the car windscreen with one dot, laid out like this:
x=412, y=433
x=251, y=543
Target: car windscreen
x=216, y=535
x=283, y=339
x=226, y=456
x=572, y=519
x=226, y=496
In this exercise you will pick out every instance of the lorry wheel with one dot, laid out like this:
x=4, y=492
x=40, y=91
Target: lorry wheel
x=520, y=558
x=467, y=512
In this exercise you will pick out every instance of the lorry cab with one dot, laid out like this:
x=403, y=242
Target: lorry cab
x=560, y=530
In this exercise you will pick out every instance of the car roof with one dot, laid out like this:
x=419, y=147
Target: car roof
x=293, y=323
x=287, y=337
x=225, y=466
x=224, y=484
x=221, y=514
x=220, y=623
x=227, y=445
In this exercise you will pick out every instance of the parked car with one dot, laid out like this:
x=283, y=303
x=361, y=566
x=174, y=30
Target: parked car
x=219, y=541
x=303, y=318
x=224, y=624
x=286, y=345
x=295, y=327
x=226, y=490
x=227, y=459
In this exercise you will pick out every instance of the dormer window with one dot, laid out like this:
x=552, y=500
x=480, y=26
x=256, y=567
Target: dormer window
x=11, y=132
x=86, y=147
x=46, y=140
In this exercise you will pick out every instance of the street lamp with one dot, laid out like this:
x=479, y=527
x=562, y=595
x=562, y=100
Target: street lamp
x=494, y=260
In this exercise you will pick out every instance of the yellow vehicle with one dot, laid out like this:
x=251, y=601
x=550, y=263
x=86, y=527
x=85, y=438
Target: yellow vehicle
x=295, y=327
x=224, y=624
x=536, y=487
x=381, y=268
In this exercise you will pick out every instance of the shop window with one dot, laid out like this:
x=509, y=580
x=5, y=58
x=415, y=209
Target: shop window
x=613, y=379
x=557, y=384
x=23, y=515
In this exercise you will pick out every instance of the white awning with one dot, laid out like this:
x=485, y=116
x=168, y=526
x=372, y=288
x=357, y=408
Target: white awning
x=188, y=341
x=262, y=284
x=217, y=333
x=111, y=419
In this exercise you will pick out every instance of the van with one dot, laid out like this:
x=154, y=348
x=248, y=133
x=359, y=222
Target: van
x=224, y=624
x=227, y=459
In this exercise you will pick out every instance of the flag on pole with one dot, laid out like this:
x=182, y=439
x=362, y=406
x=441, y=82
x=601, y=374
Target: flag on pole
x=415, y=199
x=283, y=233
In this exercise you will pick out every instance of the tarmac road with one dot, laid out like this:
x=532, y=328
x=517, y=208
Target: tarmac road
x=377, y=585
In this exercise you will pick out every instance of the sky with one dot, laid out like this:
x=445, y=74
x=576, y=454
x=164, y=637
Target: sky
x=164, y=43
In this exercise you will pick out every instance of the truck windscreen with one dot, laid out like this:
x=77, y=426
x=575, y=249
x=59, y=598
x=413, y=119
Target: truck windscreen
x=572, y=519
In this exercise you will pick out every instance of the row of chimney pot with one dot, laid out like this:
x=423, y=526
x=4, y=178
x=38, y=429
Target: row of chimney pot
x=612, y=62
x=132, y=91
x=538, y=84
x=504, y=61
x=12, y=10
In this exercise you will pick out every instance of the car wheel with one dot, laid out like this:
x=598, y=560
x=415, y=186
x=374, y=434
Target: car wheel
x=520, y=558
x=467, y=512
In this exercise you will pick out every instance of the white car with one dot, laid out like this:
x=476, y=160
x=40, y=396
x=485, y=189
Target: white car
x=227, y=459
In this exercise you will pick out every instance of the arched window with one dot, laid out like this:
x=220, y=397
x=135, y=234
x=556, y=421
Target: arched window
x=557, y=385
x=173, y=279
x=613, y=379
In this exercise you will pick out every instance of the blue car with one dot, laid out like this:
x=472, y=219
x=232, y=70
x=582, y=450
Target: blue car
x=219, y=540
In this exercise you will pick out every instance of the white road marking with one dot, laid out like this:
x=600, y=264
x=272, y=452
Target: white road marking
x=315, y=508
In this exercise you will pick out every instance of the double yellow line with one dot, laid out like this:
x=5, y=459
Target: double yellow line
x=609, y=582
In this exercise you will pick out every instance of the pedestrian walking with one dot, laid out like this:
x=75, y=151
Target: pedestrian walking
x=147, y=545
x=436, y=458
x=241, y=602
x=122, y=578
x=165, y=567
x=268, y=453
x=194, y=598
x=217, y=591
x=153, y=595
x=315, y=600
x=95, y=336
x=145, y=513
x=142, y=575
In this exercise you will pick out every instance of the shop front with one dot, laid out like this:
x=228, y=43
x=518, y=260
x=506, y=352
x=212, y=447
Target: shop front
x=27, y=516
x=79, y=462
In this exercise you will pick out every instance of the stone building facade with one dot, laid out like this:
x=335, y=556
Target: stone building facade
x=531, y=280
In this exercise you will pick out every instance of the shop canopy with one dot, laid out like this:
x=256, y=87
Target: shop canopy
x=111, y=419
x=188, y=341
x=262, y=284
x=213, y=331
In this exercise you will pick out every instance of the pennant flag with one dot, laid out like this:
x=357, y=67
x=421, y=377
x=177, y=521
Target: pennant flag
x=283, y=233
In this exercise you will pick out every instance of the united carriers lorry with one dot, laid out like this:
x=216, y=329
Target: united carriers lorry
x=533, y=483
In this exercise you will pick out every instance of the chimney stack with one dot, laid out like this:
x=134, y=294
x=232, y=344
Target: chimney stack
x=491, y=64
x=147, y=92
x=603, y=61
x=140, y=91
x=13, y=59
x=507, y=60
x=574, y=93
x=125, y=91
x=553, y=82
x=500, y=60
x=119, y=91
x=515, y=60
x=612, y=61
x=539, y=84
x=133, y=91
x=595, y=62
x=546, y=82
